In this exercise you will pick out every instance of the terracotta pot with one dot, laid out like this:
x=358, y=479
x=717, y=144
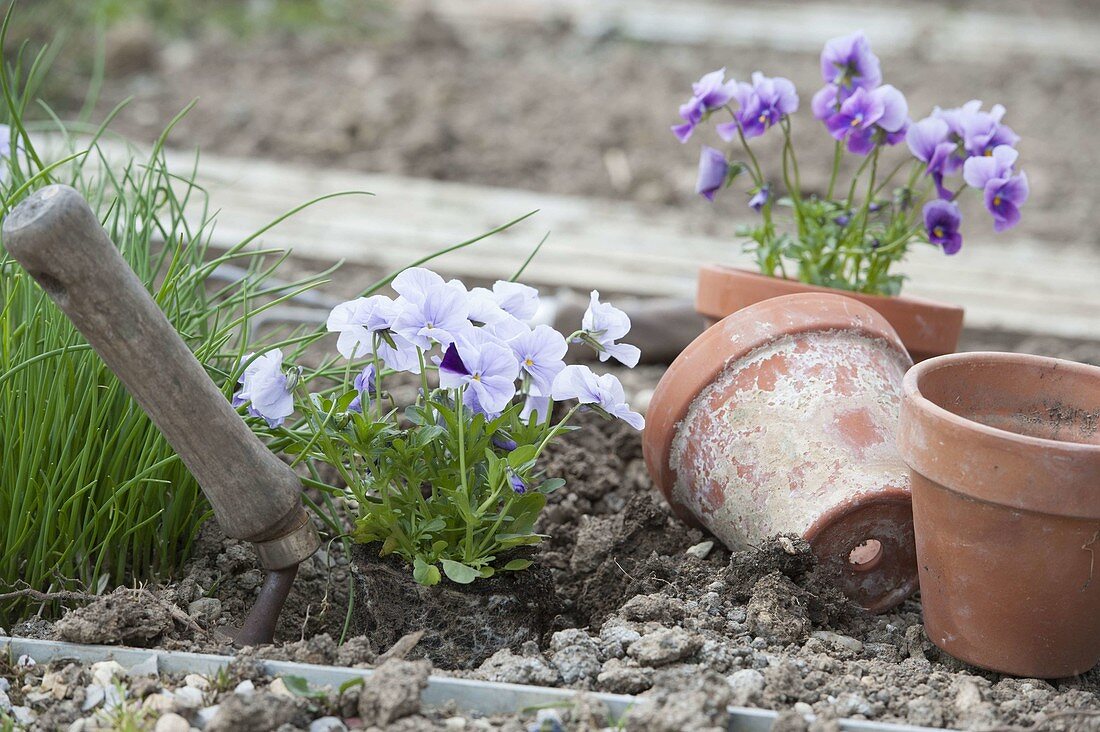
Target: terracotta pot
x=927, y=328
x=1005, y=457
x=781, y=419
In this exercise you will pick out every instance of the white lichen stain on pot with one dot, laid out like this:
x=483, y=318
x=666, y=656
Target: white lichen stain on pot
x=793, y=429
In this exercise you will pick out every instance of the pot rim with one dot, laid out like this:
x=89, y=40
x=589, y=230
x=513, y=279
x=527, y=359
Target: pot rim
x=1018, y=463
x=738, y=271
x=733, y=337
x=911, y=389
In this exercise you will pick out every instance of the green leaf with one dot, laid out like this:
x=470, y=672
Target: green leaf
x=298, y=686
x=517, y=564
x=521, y=456
x=459, y=572
x=551, y=485
x=388, y=546
x=424, y=573
x=350, y=684
x=486, y=572
x=346, y=399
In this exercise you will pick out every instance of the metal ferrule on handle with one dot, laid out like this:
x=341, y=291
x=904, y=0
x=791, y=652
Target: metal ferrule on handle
x=56, y=237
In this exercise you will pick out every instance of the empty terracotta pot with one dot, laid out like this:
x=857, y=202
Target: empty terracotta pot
x=1005, y=457
x=927, y=328
x=781, y=419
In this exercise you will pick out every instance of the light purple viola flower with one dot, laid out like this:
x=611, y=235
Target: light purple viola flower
x=982, y=131
x=364, y=383
x=865, y=113
x=506, y=328
x=516, y=299
x=825, y=102
x=536, y=408
x=484, y=367
x=709, y=93
x=264, y=388
x=848, y=62
x=429, y=309
x=929, y=142
x=503, y=442
x=760, y=198
x=941, y=221
x=978, y=171
x=713, y=170
x=603, y=324
x=368, y=321
x=541, y=354
x=603, y=392
x=760, y=105
x=1003, y=198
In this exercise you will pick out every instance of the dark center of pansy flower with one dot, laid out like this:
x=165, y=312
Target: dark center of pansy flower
x=938, y=232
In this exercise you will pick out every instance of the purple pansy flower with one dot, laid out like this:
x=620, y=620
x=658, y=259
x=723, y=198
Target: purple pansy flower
x=363, y=320
x=541, y=353
x=484, y=367
x=713, y=170
x=264, y=388
x=518, y=300
x=929, y=143
x=517, y=483
x=864, y=113
x=824, y=103
x=760, y=105
x=429, y=309
x=1004, y=192
x=941, y=220
x=536, y=406
x=603, y=324
x=604, y=392
x=760, y=197
x=709, y=93
x=848, y=63
x=364, y=383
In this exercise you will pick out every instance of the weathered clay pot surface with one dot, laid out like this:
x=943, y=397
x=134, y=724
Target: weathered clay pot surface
x=463, y=623
x=781, y=419
x=927, y=328
x=1005, y=452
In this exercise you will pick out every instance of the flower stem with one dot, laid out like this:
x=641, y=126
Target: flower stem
x=836, y=169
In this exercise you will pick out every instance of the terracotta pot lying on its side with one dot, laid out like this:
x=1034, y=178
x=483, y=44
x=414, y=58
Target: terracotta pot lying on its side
x=1005, y=457
x=781, y=419
x=927, y=328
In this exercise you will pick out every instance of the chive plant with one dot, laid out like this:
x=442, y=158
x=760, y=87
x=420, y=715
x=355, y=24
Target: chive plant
x=91, y=494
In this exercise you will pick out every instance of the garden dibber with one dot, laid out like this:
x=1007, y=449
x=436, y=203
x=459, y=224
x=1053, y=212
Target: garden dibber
x=256, y=497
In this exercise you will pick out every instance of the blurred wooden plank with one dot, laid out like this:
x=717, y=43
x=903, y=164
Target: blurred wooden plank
x=1016, y=284
x=944, y=30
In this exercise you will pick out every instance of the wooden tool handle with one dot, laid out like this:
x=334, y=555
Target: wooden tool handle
x=57, y=238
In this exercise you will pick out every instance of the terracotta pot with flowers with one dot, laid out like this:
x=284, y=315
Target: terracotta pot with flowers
x=849, y=236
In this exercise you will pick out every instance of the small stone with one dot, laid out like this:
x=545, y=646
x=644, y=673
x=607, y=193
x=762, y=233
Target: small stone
x=278, y=688
x=615, y=631
x=104, y=673
x=663, y=646
x=198, y=682
x=26, y=661
x=575, y=655
x=159, y=703
x=747, y=685
x=328, y=724
x=923, y=712
x=93, y=695
x=844, y=641
x=172, y=722
x=454, y=724
x=205, y=715
x=187, y=699
x=23, y=716
x=659, y=608
x=700, y=550
x=245, y=688
x=393, y=692
x=624, y=677
x=510, y=668
x=206, y=610
x=848, y=704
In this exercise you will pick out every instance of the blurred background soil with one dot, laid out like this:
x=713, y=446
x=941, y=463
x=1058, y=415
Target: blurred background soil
x=390, y=87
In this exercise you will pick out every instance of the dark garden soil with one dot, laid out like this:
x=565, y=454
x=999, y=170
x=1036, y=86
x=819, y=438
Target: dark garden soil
x=645, y=606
